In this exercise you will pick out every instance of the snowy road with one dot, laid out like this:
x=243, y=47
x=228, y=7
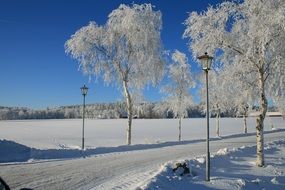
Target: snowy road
x=125, y=170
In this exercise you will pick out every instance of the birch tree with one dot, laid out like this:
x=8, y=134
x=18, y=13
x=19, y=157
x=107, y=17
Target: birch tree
x=179, y=98
x=244, y=101
x=216, y=97
x=240, y=95
x=249, y=34
x=280, y=104
x=126, y=51
x=243, y=107
x=279, y=93
x=220, y=100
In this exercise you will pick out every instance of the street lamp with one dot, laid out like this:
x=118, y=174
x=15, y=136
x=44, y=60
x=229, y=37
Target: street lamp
x=206, y=62
x=84, y=90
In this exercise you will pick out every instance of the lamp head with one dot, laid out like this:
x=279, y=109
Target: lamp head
x=206, y=61
x=84, y=90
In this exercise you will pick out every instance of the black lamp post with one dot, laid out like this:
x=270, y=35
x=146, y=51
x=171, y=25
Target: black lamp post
x=84, y=90
x=206, y=62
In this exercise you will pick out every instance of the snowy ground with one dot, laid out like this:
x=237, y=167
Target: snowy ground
x=231, y=169
x=65, y=134
x=43, y=154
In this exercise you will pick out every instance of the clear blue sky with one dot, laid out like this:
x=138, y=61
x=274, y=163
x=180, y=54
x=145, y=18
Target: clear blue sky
x=35, y=72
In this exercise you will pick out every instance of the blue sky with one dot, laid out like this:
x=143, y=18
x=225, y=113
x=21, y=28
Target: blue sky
x=35, y=72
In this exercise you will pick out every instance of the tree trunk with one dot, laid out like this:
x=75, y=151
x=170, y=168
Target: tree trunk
x=218, y=123
x=130, y=112
x=179, y=115
x=179, y=129
x=244, y=123
x=260, y=121
x=271, y=124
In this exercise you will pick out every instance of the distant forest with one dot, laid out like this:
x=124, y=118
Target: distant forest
x=105, y=111
x=97, y=111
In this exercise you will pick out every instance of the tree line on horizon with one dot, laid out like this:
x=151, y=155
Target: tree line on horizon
x=146, y=110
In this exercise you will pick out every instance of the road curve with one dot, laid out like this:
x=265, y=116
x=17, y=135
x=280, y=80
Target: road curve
x=124, y=170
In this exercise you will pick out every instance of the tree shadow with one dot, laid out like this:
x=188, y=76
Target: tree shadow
x=11, y=151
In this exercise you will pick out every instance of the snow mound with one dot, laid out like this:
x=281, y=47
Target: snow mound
x=223, y=151
x=235, y=171
x=201, y=160
x=274, y=181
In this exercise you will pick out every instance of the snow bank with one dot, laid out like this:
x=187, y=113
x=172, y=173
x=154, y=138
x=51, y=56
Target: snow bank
x=230, y=169
x=11, y=151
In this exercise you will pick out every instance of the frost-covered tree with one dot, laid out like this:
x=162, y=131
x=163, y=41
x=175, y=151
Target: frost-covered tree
x=178, y=96
x=278, y=95
x=239, y=95
x=125, y=51
x=217, y=98
x=250, y=34
x=243, y=103
x=220, y=95
x=280, y=104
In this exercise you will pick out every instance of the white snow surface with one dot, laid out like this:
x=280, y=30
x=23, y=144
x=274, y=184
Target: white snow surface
x=45, y=154
x=231, y=169
x=67, y=134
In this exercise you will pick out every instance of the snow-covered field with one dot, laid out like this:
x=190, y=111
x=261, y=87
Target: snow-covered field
x=107, y=163
x=58, y=134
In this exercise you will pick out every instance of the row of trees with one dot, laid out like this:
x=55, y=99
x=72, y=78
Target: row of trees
x=117, y=110
x=246, y=39
x=18, y=113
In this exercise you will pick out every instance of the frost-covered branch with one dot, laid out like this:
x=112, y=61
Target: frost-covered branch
x=180, y=81
x=249, y=37
x=127, y=50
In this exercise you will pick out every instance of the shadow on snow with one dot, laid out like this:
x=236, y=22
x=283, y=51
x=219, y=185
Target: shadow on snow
x=11, y=151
